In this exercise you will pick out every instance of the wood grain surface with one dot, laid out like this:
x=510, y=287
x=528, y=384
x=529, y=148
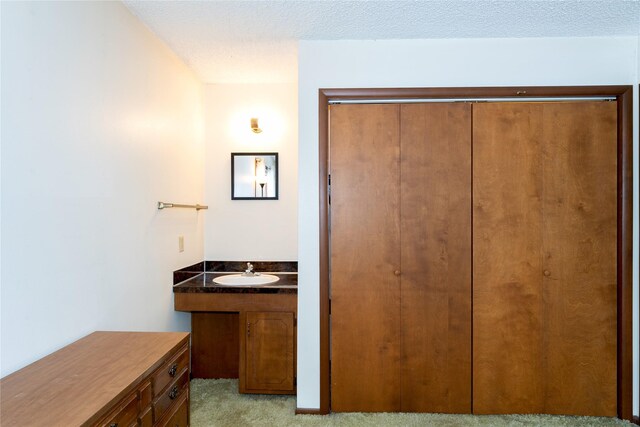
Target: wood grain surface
x=166, y=399
x=270, y=342
x=579, y=257
x=507, y=261
x=365, y=258
x=436, y=257
x=544, y=226
x=180, y=415
x=203, y=302
x=215, y=345
x=79, y=383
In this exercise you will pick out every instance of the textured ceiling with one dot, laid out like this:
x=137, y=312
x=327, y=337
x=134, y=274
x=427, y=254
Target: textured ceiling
x=256, y=41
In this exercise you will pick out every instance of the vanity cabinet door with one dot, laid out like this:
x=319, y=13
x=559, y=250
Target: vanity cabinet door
x=269, y=352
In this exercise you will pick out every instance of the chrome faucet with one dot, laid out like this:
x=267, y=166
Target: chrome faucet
x=249, y=270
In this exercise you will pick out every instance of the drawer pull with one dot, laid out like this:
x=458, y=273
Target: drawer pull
x=174, y=392
x=173, y=369
x=113, y=425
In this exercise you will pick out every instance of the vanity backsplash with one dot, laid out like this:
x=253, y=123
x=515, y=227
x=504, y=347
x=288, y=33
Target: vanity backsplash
x=233, y=267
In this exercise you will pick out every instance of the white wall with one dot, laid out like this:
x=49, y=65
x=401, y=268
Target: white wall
x=99, y=121
x=423, y=63
x=251, y=230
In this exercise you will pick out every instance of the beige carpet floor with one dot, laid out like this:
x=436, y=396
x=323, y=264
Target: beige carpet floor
x=218, y=403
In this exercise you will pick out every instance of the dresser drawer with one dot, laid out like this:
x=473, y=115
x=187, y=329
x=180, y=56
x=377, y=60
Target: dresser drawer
x=180, y=416
x=170, y=370
x=146, y=418
x=125, y=414
x=145, y=395
x=171, y=394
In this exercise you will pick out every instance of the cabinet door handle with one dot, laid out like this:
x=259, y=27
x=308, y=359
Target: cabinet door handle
x=397, y=272
x=173, y=369
x=174, y=392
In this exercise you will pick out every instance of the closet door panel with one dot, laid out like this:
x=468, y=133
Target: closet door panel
x=436, y=257
x=579, y=235
x=507, y=259
x=545, y=248
x=365, y=257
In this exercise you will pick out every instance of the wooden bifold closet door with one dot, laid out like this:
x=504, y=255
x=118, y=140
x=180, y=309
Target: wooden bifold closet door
x=544, y=258
x=365, y=254
x=473, y=257
x=435, y=193
x=400, y=257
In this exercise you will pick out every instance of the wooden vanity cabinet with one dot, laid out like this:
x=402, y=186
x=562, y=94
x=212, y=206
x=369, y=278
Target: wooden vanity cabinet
x=215, y=345
x=267, y=353
x=249, y=336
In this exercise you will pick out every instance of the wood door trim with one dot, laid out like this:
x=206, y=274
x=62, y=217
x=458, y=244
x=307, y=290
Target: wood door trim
x=475, y=92
x=623, y=95
x=625, y=256
x=325, y=303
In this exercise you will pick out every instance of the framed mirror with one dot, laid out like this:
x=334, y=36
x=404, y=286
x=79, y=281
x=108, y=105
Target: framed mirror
x=254, y=176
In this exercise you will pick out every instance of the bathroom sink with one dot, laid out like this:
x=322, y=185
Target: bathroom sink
x=242, y=280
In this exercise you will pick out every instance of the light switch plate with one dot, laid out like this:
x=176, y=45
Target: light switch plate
x=180, y=243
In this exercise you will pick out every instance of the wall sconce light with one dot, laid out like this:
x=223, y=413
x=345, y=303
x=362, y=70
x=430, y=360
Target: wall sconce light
x=254, y=125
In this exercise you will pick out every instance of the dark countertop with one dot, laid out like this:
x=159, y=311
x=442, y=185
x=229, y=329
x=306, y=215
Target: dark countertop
x=203, y=283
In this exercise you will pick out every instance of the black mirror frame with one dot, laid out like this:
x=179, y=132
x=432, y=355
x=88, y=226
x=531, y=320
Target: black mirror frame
x=277, y=173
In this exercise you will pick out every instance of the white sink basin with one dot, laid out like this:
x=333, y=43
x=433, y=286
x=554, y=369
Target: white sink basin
x=241, y=280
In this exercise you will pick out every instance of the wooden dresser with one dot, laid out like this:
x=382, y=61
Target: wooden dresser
x=112, y=379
